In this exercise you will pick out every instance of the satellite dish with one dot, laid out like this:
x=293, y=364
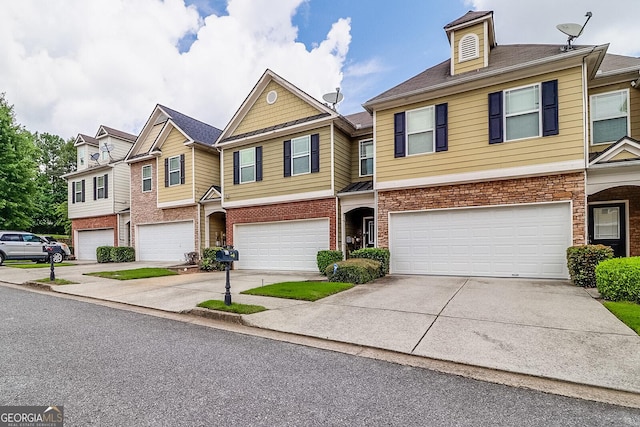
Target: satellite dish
x=333, y=97
x=95, y=157
x=573, y=31
x=106, y=147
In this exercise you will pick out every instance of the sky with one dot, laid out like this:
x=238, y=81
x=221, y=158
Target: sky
x=69, y=66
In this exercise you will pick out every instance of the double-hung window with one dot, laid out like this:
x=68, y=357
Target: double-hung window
x=366, y=158
x=301, y=155
x=174, y=170
x=609, y=116
x=146, y=178
x=522, y=112
x=81, y=156
x=247, y=165
x=77, y=190
x=420, y=129
x=100, y=187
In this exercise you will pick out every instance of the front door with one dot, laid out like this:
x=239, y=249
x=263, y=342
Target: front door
x=607, y=226
x=369, y=232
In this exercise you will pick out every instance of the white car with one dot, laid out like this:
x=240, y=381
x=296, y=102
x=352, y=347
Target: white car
x=20, y=245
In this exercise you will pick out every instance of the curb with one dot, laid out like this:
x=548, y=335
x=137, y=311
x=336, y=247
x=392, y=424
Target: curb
x=215, y=315
x=37, y=285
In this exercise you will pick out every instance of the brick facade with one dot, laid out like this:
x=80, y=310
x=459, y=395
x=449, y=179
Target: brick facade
x=144, y=208
x=630, y=194
x=96, y=223
x=512, y=191
x=312, y=209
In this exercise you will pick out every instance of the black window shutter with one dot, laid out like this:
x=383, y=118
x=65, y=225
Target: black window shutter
x=73, y=191
x=258, y=163
x=495, y=118
x=399, y=135
x=82, y=191
x=287, y=158
x=166, y=172
x=95, y=188
x=182, y=169
x=236, y=167
x=442, y=136
x=315, y=153
x=106, y=186
x=550, y=108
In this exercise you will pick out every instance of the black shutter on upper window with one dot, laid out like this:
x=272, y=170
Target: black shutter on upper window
x=106, y=186
x=287, y=158
x=399, y=135
x=166, y=172
x=315, y=153
x=95, y=188
x=495, y=118
x=441, y=127
x=550, y=108
x=182, y=169
x=236, y=167
x=82, y=191
x=258, y=163
x=73, y=191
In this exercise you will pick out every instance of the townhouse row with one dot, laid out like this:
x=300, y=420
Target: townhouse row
x=490, y=163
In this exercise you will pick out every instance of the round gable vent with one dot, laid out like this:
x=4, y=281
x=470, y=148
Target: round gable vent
x=272, y=96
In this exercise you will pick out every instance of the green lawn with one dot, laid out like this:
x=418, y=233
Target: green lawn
x=56, y=282
x=30, y=264
x=306, y=291
x=627, y=312
x=136, y=273
x=213, y=304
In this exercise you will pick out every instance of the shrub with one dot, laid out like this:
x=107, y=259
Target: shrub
x=354, y=271
x=618, y=279
x=103, y=253
x=123, y=254
x=326, y=258
x=382, y=255
x=208, y=261
x=582, y=262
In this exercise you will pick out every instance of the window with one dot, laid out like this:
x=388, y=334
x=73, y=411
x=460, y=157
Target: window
x=468, y=48
x=100, y=187
x=104, y=155
x=77, y=191
x=146, y=178
x=174, y=170
x=301, y=155
x=609, y=116
x=247, y=165
x=420, y=131
x=522, y=112
x=366, y=158
x=80, y=156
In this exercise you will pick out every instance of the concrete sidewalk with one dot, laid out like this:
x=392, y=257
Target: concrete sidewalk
x=543, y=328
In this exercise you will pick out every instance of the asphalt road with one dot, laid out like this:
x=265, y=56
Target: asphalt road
x=114, y=367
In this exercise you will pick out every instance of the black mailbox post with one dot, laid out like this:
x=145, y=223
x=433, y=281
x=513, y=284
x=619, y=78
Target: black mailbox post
x=52, y=249
x=227, y=255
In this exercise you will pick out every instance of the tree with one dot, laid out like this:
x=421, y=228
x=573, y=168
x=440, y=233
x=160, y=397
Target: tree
x=17, y=171
x=55, y=157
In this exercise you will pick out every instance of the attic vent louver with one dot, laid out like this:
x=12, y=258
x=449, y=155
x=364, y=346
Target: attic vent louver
x=468, y=48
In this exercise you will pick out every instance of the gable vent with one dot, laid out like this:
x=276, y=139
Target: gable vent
x=468, y=48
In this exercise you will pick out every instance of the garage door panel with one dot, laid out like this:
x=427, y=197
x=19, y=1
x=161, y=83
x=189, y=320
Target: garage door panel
x=524, y=241
x=90, y=240
x=165, y=241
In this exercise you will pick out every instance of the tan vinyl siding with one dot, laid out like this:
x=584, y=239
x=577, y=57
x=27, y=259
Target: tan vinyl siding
x=473, y=64
x=634, y=112
x=624, y=155
x=207, y=171
x=274, y=183
x=287, y=107
x=171, y=147
x=148, y=142
x=355, y=160
x=342, y=161
x=469, y=148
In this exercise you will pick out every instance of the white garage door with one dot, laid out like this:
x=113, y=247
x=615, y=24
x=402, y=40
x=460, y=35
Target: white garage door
x=284, y=245
x=89, y=240
x=512, y=241
x=166, y=241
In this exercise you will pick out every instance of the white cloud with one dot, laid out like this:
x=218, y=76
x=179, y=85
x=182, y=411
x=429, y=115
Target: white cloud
x=613, y=22
x=70, y=65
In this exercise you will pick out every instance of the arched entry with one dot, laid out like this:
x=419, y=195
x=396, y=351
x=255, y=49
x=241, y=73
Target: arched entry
x=359, y=229
x=217, y=229
x=613, y=219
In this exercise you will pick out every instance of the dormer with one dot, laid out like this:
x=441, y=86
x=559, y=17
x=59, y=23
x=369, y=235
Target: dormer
x=471, y=38
x=85, y=147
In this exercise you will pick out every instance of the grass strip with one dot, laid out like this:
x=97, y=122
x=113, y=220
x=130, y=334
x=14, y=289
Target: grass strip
x=136, y=273
x=627, y=312
x=305, y=291
x=213, y=304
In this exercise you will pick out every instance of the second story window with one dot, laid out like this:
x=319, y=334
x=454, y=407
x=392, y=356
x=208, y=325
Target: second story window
x=80, y=156
x=522, y=112
x=301, y=155
x=366, y=158
x=609, y=116
x=78, y=191
x=100, y=187
x=247, y=165
x=174, y=170
x=420, y=131
x=146, y=178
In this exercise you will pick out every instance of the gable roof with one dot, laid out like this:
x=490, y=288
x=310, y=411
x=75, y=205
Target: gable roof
x=115, y=133
x=85, y=139
x=198, y=131
x=468, y=17
x=625, y=144
x=362, y=120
